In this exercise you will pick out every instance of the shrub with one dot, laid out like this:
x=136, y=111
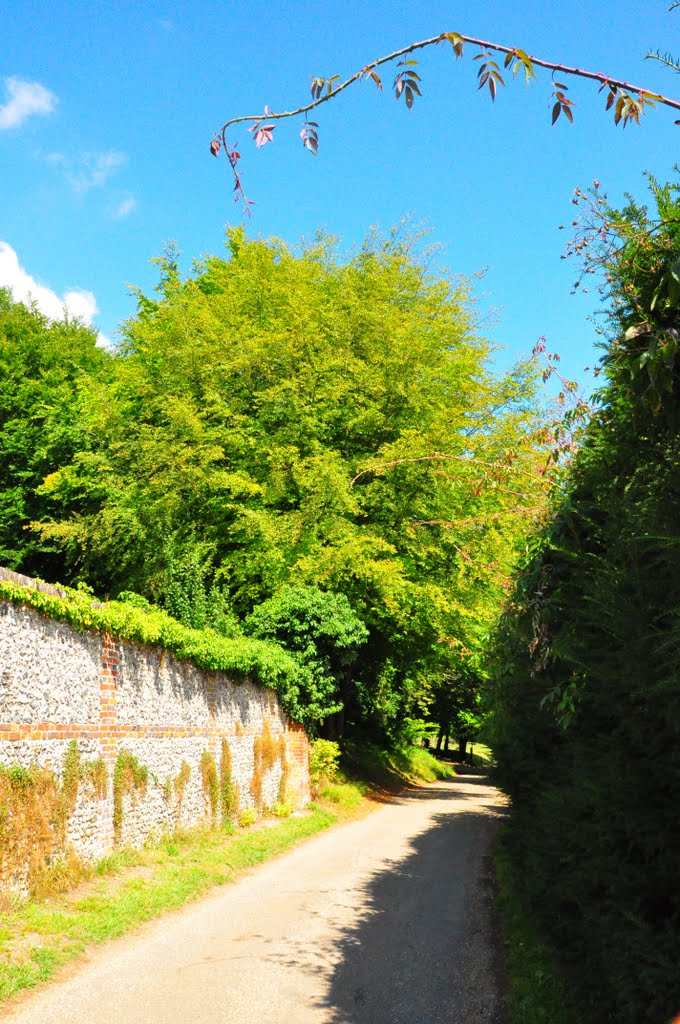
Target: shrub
x=324, y=635
x=323, y=762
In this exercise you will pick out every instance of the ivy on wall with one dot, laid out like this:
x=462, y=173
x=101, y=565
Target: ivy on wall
x=261, y=661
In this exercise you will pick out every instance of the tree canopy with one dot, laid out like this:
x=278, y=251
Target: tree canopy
x=43, y=366
x=298, y=419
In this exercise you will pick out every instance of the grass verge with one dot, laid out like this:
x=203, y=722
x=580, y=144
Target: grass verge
x=130, y=887
x=133, y=886
x=390, y=769
x=537, y=993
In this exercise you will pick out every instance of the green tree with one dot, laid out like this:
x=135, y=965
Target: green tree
x=309, y=420
x=457, y=708
x=325, y=635
x=43, y=369
x=189, y=596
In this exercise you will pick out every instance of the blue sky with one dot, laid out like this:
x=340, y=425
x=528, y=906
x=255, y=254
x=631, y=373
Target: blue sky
x=107, y=111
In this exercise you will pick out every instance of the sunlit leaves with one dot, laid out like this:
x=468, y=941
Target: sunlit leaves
x=262, y=133
x=488, y=73
x=370, y=72
x=456, y=41
x=406, y=82
x=321, y=86
x=518, y=59
x=628, y=102
x=628, y=108
x=305, y=419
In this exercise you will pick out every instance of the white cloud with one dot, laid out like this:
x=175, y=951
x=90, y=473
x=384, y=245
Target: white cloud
x=25, y=99
x=166, y=24
x=124, y=207
x=94, y=169
x=77, y=302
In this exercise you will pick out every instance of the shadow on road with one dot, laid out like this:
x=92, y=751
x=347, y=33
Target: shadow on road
x=457, y=789
x=421, y=951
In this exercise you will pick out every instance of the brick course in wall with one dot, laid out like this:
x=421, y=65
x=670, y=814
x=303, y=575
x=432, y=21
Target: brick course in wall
x=58, y=685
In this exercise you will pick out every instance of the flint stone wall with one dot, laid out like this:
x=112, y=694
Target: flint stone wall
x=58, y=685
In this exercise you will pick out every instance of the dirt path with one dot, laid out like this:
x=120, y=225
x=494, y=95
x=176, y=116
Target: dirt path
x=382, y=921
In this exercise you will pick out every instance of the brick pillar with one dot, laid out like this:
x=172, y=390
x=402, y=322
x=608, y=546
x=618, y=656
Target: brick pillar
x=297, y=746
x=108, y=686
x=108, y=742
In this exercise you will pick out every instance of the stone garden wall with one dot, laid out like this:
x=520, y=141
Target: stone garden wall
x=135, y=742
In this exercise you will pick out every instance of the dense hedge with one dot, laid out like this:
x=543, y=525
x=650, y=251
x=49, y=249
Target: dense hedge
x=587, y=703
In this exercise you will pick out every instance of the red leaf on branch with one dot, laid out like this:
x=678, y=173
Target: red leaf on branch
x=215, y=147
x=264, y=135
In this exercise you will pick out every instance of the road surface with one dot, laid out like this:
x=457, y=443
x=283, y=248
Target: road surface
x=382, y=921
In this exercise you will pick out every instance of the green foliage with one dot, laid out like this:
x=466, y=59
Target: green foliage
x=347, y=795
x=181, y=781
x=211, y=783
x=295, y=423
x=587, y=707
x=281, y=809
x=44, y=370
x=391, y=767
x=457, y=706
x=266, y=752
x=129, y=777
x=229, y=791
x=189, y=599
x=538, y=992
x=323, y=633
x=35, y=807
x=323, y=762
x=242, y=657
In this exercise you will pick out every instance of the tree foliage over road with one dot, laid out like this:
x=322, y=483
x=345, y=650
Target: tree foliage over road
x=297, y=429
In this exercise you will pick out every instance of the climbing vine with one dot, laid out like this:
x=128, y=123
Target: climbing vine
x=129, y=777
x=229, y=790
x=266, y=752
x=211, y=783
x=36, y=804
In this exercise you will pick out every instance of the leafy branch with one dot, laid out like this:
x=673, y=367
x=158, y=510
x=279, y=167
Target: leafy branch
x=627, y=101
